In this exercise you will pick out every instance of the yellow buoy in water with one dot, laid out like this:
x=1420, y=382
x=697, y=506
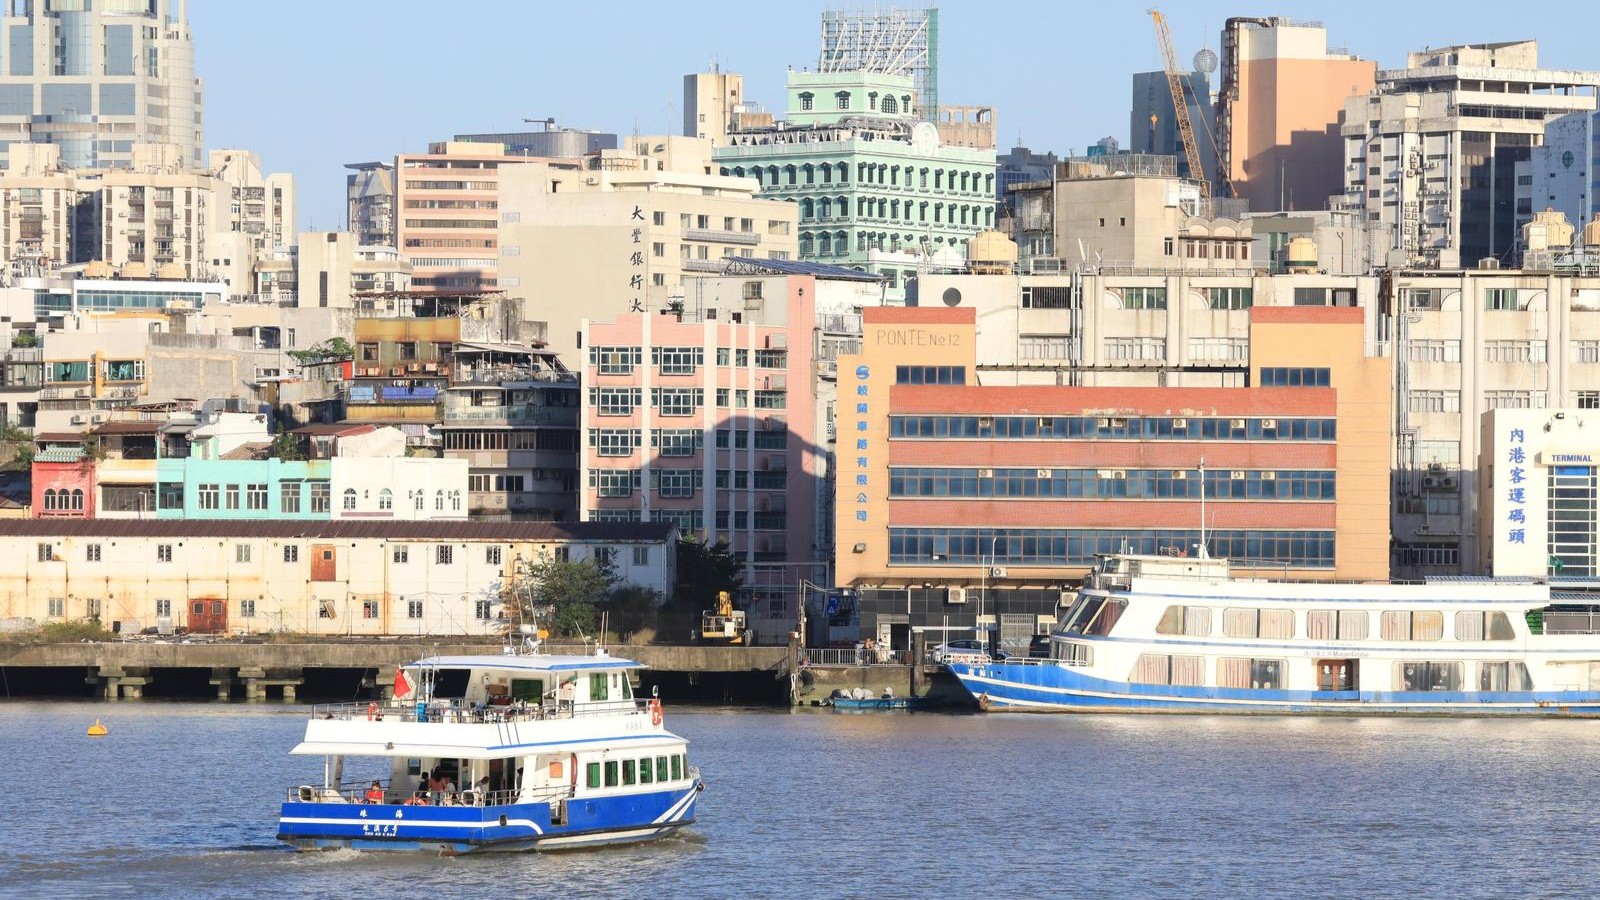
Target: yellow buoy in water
x=98, y=730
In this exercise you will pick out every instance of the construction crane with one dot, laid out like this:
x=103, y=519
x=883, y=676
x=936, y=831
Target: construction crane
x=1180, y=105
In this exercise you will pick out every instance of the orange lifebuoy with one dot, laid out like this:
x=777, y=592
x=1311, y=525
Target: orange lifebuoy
x=655, y=712
x=372, y=710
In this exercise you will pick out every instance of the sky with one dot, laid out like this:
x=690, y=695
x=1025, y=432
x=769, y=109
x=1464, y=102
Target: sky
x=313, y=84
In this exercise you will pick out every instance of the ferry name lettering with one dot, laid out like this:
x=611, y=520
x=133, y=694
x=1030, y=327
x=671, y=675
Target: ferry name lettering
x=380, y=829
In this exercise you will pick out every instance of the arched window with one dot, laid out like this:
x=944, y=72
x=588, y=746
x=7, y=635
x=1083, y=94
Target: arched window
x=841, y=240
x=824, y=244
x=416, y=499
x=825, y=207
x=438, y=501
x=77, y=499
x=807, y=209
x=938, y=179
x=811, y=174
x=827, y=173
x=842, y=207
x=805, y=243
x=772, y=176
x=349, y=498
x=808, y=100
x=844, y=173
x=789, y=173
x=49, y=499
x=872, y=100
x=455, y=501
x=843, y=99
x=386, y=499
x=905, y=103
x=889, y=106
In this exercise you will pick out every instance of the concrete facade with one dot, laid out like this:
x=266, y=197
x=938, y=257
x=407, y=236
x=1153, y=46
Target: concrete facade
x=709, y=102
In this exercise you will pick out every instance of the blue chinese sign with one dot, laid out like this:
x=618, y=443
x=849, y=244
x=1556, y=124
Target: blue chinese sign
x=1516, y=493
x=863, y=373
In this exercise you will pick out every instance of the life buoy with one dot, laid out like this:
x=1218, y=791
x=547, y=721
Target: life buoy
x=372, y=710
x=655, y=712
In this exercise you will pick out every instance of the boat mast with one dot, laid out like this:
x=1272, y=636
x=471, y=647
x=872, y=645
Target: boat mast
x=1204, y=554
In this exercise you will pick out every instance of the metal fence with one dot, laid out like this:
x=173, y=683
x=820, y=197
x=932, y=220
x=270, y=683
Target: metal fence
x=846, y=657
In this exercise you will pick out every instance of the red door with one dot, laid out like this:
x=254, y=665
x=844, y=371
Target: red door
x=324, y=566
x=208, y=616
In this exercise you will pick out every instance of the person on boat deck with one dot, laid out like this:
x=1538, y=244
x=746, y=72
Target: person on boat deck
x=374, y=794
x=417, y=799
x=482, y=787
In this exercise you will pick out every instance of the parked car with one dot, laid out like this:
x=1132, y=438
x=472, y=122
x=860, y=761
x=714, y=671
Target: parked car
x=965, y=649
x=1039, y=647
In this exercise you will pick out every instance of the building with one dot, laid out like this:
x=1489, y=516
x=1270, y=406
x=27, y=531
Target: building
x=963, y=505
x=96, y=79
x=1278, y=112
x=549, y=142
x=711, y=101
x=369, y=200
x=623, y=232
x=901, y=42
x=251, y=212
x=1538, y=504
x=967, y=126
x=1560, y=173
x=329, y=269
x=155, y=212
x=1153, y=124
x=329, y=578
x=720, y=420
x=864, y=173
x=1431, y=153
x=447, y=207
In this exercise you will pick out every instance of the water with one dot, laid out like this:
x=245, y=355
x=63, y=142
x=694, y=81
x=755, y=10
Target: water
x=180, y=801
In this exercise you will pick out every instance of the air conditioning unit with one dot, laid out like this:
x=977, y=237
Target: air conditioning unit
x=76, y=420
x=1450, y=483
x=985, y=473
x=1237, y=475
x=1180, y=423
x=1269, y=424
x=81, y=392
x=1180, y=475
x=777, y=382
x=1429, y=482
x=1102, y=423
x=1042, y=473
x=997, y=571
x=592, y=180
x=1269, y=476
x=96, y=419
x=1236, y=423
x=955, y=595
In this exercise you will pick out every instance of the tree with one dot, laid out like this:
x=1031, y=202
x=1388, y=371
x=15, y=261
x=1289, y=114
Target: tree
x=331, y=349
x=22, y=460
x=286, y=447
x=704, y=570
x=573, y=589
x=24, y=339
x=94, y=450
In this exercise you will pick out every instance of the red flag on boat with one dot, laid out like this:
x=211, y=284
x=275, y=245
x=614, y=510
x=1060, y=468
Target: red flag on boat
x=402, y=687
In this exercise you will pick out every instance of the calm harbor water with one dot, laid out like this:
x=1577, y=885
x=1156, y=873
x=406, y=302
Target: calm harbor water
x=180, y=801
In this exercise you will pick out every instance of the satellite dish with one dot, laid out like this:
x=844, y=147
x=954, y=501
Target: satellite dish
x=1205, y=62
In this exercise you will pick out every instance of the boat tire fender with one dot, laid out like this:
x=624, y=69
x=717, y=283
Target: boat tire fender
x=655, y=712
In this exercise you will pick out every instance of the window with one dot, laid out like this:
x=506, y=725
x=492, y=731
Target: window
x=369, y=609
x=483, y=610
x=676, y=401
x=1254, y=674
x=1258, y=623
x=321, y=496
x=492, y=555
x=1144, y=297
x=615, y=360
x=91, y=553
x=1287, y=377
x=349, y=498
x=614, y=442
x=1191, y=620
x=1411, y=626
x=614, y=482
x=289, y=496
x=641, y=556
x=57, y=607
x=661, y=768
x=677, y=360
x=930, y=375
x=291, y=554
x=1586, y=351
x=46, y=552
x=169, y=495
x=1514, y=351
x=1229, y=297
x=210, y=496
x=1434, y=401
x=1331, y=624
x=444, y=554
x=256, y=496
x=629, y=771
x=1438, y=351
x=163, y=553
x=1041, y=297
x=843, y=99
x=401, y=554
x=1155, y=668
x=598, y=686
x=1502, y=299
x=677, y=767
x=1588, y=399
x=1503, y=676
x=1428, y=676
x=677, y=442
x=679, y=483
x=1153, y=349
x=164, y=608
x=247, y=609
x=1483, y=626
x=386, y=499
x=230, y=496
x=413, y=609
x=614, y=401
x=241, y=553
x=592, y=775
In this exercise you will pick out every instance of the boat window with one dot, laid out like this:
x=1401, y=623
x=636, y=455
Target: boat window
x=1190, y=620
x=1411, y=626
x=611, y=773
x=1503, y=676
x=1082, y=612
x=1260, y=674
x=1072, y=654
x=1106, y=619
x=451, y=684
x=677, y=768
x=1483, y=626
x=527, y=689
x=628, y=770
x=1157, y=668
x=626, y=686
x=1428, y=676
x=1340, y=624
x=1266, y=623
x=594, y=775
x=598, y=687
x=661, y=768
x=646, y=771
x=1565, y=619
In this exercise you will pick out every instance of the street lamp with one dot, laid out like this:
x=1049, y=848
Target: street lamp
x=983, y=588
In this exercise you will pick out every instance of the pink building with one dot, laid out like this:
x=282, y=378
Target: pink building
x=717, y=420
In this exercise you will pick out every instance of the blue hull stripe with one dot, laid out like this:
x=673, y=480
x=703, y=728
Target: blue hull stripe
x=1064, y=689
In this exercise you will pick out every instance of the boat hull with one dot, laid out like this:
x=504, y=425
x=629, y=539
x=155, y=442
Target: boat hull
x=1064, y=689
x=591, y=822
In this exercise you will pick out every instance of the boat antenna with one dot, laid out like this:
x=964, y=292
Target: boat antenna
x=1204, y=554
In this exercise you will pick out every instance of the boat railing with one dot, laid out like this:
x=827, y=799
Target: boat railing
x=356, y=793
x=457, y=712
x=827, y=657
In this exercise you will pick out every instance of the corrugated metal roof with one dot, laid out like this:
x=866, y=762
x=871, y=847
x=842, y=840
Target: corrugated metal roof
x=798, y=267
x=337, y=428
x=446, y=530
x=486, y=347
x=249, y=450
x=128, y=428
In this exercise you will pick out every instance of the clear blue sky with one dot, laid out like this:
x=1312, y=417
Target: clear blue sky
x=314, y=84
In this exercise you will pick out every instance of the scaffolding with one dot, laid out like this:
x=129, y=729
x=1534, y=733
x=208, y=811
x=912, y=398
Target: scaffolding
x=888, y=42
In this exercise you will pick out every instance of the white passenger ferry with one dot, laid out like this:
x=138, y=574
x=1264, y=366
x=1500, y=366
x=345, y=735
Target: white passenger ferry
x=1165, y=634
x=514, y=752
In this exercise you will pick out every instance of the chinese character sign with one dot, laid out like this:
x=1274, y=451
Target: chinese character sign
x=863, y=377
x=1516, y=495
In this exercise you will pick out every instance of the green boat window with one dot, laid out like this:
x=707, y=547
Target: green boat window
x=611, y=774
x=627, y=771
x=594, y=775
x=661, y=768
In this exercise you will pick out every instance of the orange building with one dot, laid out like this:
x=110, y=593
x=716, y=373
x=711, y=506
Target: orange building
x=960, y=505
x=1279, y=109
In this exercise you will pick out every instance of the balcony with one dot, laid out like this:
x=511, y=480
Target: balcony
x=713, y=266
x=390, y=394
x=717, y=235
x=555, y=416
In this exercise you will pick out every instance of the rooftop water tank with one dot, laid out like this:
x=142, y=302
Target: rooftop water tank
x=98, y=268
x=1591, y=232
x=991, y=253
x=1300, y=255
x=171, y=271
x=134, y=271
x=1547, y=230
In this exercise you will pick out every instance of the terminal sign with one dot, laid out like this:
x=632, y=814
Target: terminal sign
x=1572, y=457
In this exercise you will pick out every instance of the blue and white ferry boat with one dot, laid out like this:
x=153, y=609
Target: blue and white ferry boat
x=479, y=753
x=1179, y=635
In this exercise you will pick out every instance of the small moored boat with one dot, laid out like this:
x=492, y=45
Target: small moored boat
x=524, y=752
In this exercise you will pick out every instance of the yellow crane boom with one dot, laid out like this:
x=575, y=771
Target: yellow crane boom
x=1180, y=105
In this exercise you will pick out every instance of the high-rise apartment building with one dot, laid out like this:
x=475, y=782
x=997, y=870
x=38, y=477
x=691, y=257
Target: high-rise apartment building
x=1432, y=152
x=97, y=78
x=1562, y=174
x=552, y=140
x=1278, y=109
x=709, y=102
x=1153, y=124
x=369, y=200
x=251, y=213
